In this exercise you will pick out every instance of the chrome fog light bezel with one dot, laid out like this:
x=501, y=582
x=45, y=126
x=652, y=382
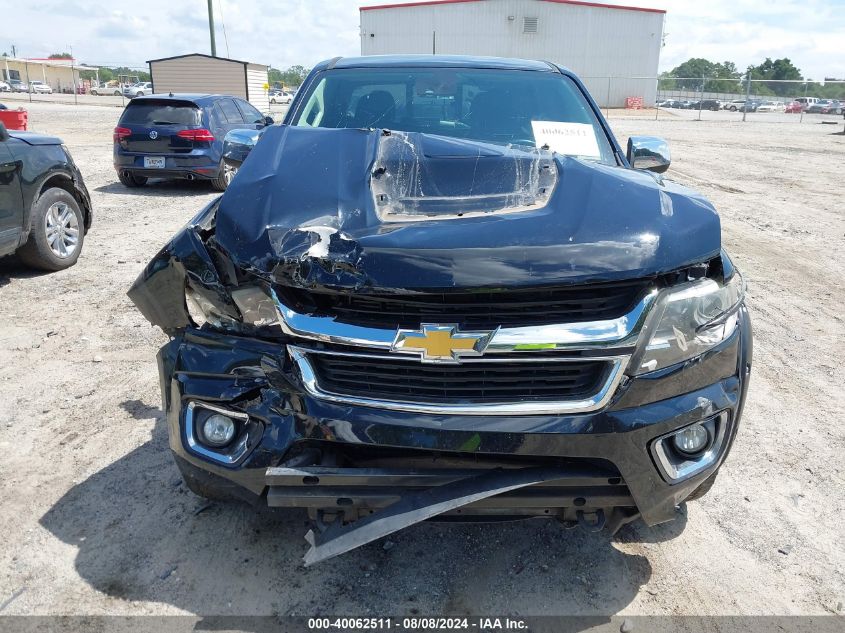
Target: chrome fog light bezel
x=229, y=454
x=675, y=466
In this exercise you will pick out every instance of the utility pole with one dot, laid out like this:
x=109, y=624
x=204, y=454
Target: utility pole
x=211, y=28
x=747, y=93
x=14, y=52
x=701, y=100
x=73, y=77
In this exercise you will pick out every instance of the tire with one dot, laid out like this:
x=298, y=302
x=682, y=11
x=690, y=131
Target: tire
x=704, y=488
x=273, y=100
x=117, y=93
x=139, y=94
x=733, y=108
x=131, y=180
x=57, y=232
x=221, y=183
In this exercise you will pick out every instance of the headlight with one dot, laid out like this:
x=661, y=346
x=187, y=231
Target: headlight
x=203, y=311
x=257, y=310
x=690, y=320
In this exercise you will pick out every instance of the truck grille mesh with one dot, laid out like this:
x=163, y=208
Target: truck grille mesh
x=476, y=310
x=470, y=383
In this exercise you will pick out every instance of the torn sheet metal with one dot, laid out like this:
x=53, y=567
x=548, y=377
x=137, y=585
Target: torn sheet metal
x=420, y=177
x=302, y=212
x=416, y=507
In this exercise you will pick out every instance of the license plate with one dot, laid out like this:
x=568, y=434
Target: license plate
x=154, y=162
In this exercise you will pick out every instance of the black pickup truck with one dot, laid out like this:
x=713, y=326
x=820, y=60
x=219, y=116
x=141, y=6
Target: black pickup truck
x=45, y=209
x=442, y=290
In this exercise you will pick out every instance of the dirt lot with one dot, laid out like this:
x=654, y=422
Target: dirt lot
x=95, y=519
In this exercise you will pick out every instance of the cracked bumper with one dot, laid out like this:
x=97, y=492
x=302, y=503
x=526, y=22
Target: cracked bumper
x=605, y=456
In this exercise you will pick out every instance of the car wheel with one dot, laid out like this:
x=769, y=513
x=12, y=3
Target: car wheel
x=227, y=173
x=117, y=93
x=273, y=100
x=733, y=108
x=139, y=94
x=131, y=180
x=56, y=233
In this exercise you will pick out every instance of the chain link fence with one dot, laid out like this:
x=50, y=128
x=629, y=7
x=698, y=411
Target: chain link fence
x=700, y=98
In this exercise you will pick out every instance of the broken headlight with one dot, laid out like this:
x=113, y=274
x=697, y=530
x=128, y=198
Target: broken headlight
x=256, y=309
x=688, y=320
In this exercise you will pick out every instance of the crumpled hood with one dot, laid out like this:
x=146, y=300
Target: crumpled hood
x=302, y=212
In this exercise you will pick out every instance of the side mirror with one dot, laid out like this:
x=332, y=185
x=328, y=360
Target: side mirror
x=4, y=134
x=648, y=152
x=237, y=145
x=268, y=120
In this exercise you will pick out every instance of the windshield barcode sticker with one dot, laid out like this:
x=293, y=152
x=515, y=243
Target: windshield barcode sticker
x=571, y=139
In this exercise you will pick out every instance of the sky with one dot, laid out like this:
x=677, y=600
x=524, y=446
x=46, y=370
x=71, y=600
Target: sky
x=283, y=33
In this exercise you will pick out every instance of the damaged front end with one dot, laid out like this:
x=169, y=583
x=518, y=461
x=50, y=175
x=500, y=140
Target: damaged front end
x=384, y=328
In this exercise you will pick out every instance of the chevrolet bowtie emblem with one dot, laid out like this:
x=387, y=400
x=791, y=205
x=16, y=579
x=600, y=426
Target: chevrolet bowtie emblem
x=441, y=343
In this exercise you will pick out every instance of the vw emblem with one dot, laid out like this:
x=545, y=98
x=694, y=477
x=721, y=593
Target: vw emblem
x=153, y=134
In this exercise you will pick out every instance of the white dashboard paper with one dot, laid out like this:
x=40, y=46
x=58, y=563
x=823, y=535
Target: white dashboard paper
x=572, y=139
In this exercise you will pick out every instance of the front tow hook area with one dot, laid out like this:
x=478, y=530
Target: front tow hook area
x=418, y=506
x=595, y=523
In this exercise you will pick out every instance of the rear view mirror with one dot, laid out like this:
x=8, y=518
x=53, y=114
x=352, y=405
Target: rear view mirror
x=649, y=152
x=4, y=134
x=268, y=120
x=237, y=145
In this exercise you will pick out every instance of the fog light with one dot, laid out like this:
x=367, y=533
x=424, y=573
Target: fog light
x=692, y=440
x=218, y=430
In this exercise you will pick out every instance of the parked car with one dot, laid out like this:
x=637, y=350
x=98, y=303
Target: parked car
x=138, y=90
x=833, y=106
x=280, y=96
x=40, y=87
x=750, y=106
x=733, y=105
x=807, y=101
x=795, y=107
x=707, y=104
x=18, y=85
x=105, y=89
x=45, y=209
x=4, y=87
x=179, y=136
x=393, y=315
x=770, y=106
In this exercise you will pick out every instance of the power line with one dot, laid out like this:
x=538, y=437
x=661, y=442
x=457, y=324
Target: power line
x=223, y=24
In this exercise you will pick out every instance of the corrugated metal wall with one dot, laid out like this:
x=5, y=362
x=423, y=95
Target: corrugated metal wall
x=256, y=77
x=211, y=76
x=594, y=42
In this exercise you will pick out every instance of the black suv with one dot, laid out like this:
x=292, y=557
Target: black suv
x=442, y=288
x=45, y=209
x=179, y=136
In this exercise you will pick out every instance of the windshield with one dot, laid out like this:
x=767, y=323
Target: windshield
x=515, y=107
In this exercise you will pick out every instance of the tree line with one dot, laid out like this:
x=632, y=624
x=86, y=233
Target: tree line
x=698, y=73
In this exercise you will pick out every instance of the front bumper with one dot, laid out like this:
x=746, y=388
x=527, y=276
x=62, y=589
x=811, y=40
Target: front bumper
x=341, y=459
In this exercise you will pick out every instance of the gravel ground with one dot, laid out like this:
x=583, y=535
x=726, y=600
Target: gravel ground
x=96, y=521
